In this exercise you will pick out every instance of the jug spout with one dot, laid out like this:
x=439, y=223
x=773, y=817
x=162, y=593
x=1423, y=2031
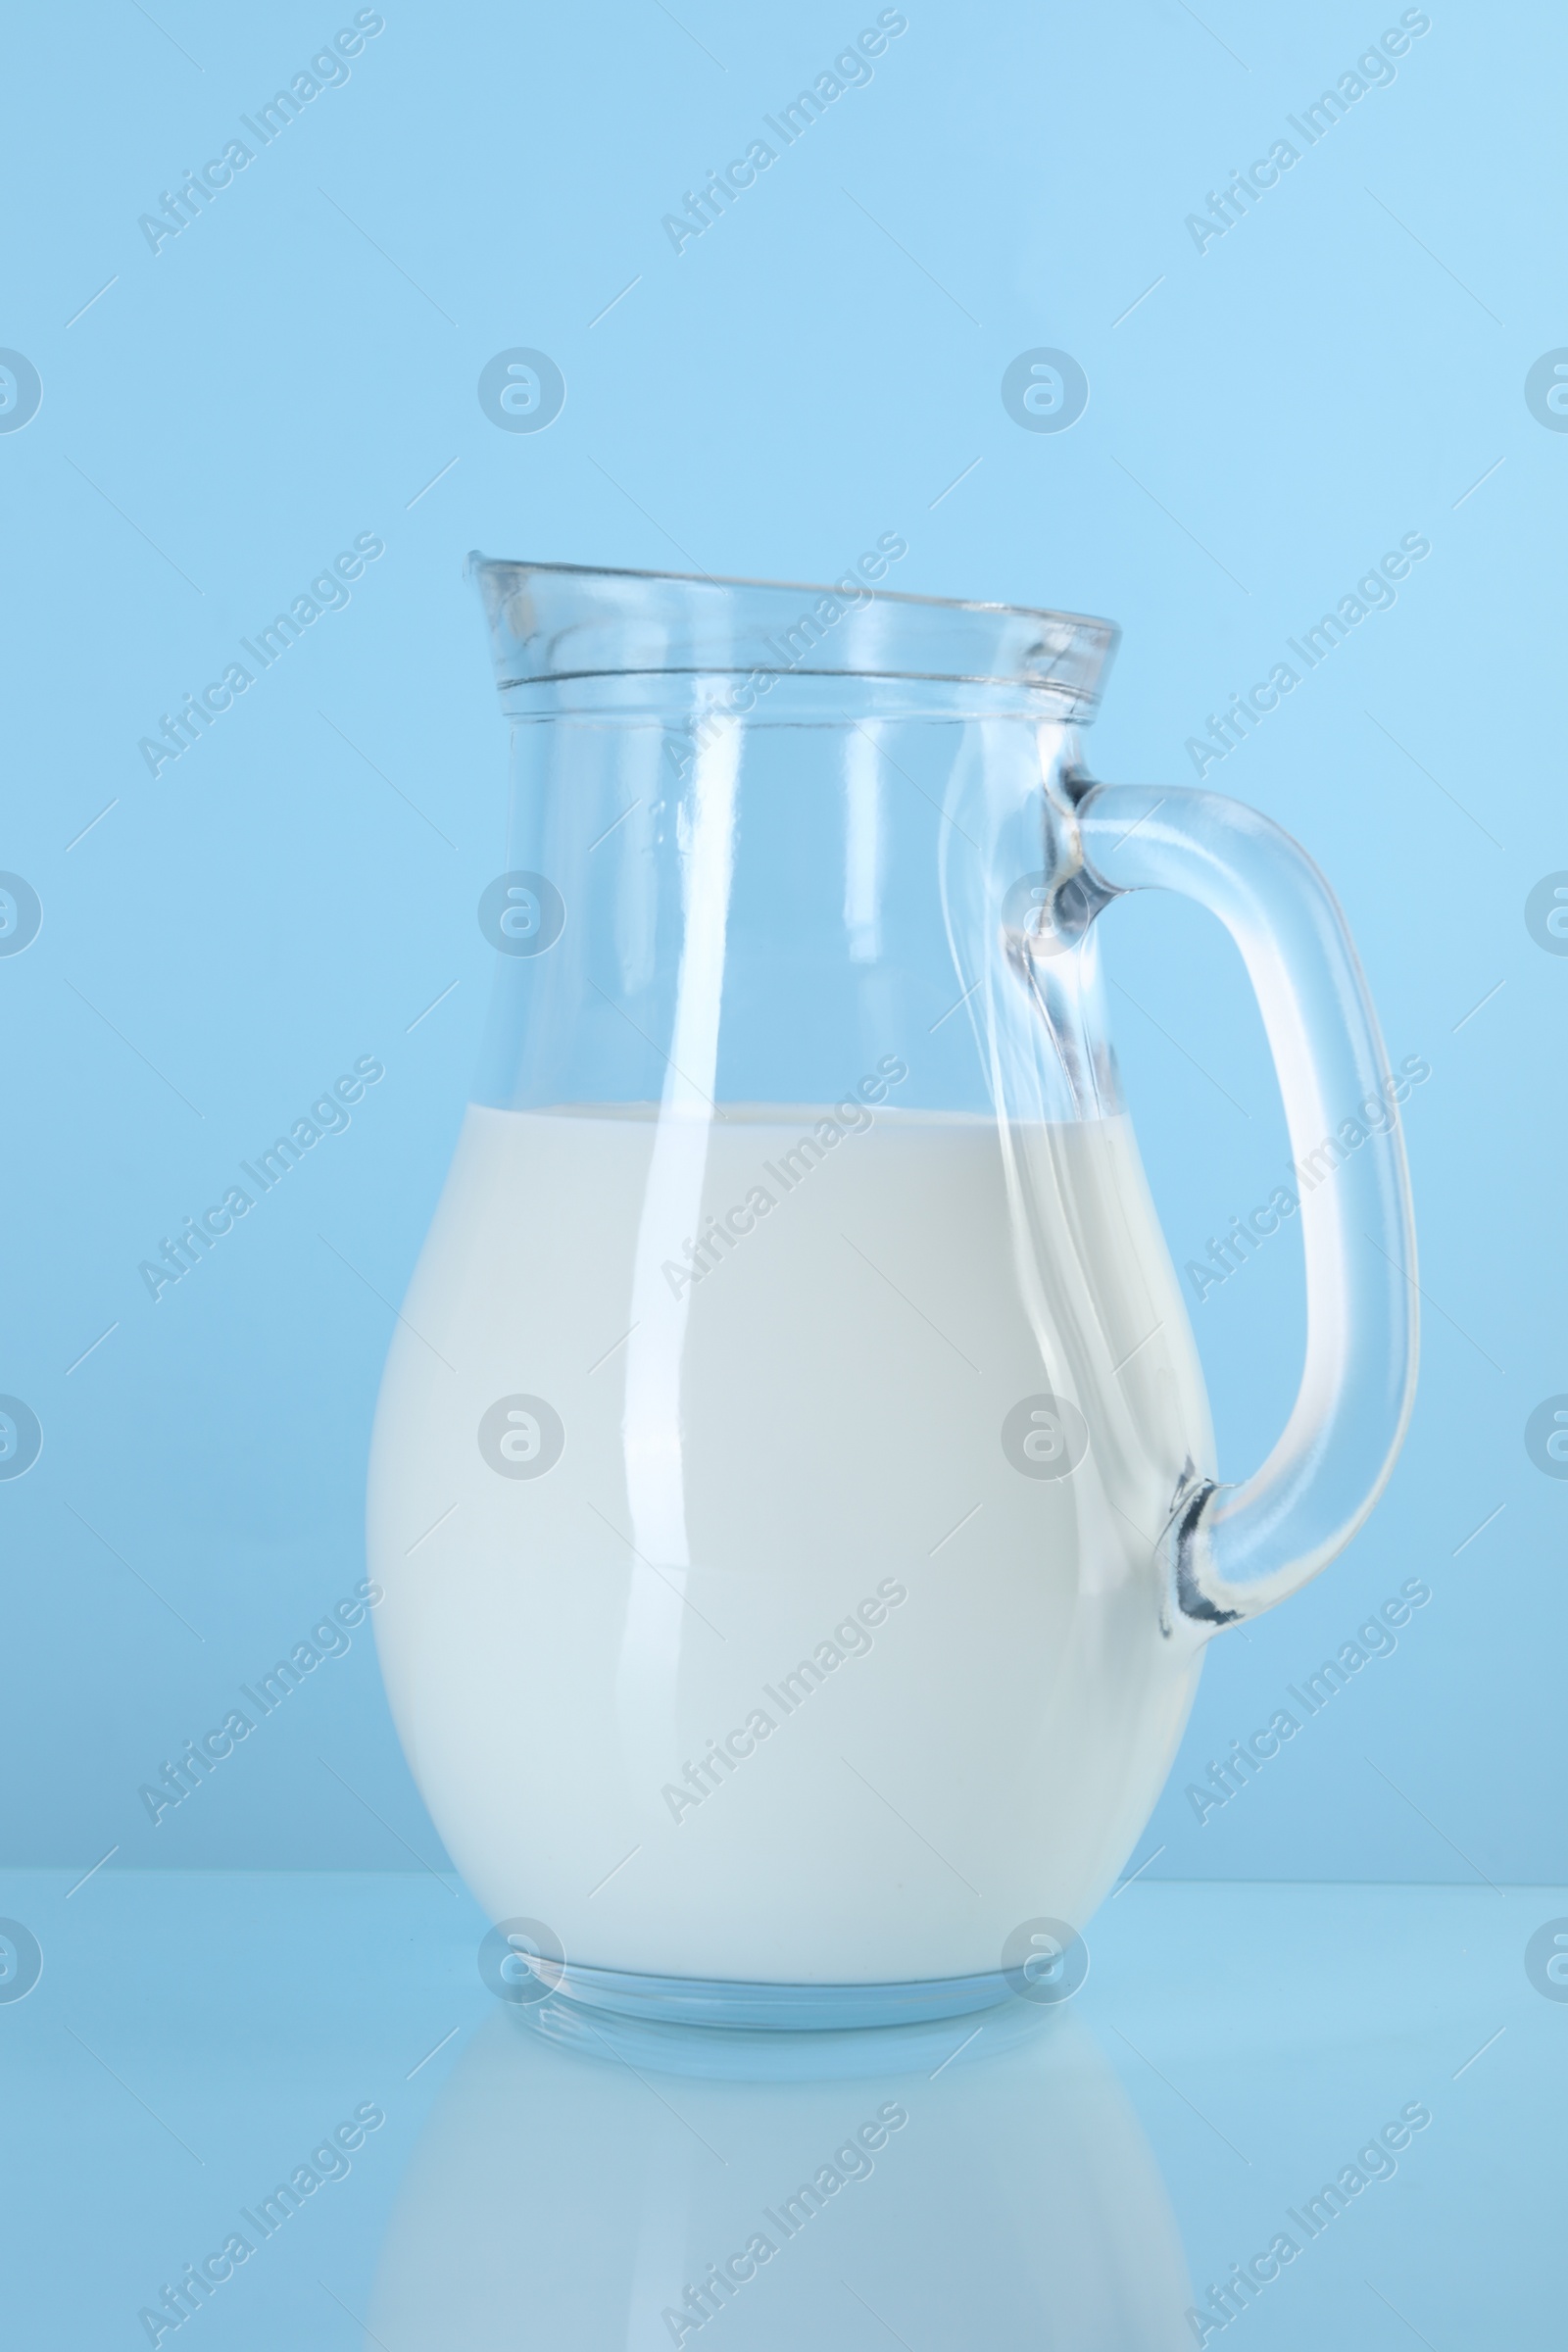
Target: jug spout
x=555, y=624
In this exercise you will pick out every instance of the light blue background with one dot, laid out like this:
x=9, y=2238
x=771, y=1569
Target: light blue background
x=298, y=367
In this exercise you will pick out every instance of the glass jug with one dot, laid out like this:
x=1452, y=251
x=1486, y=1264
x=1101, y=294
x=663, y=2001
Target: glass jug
x=793, y=1485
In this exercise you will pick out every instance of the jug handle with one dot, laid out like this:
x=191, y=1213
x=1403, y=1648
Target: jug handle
x=1232, y=1551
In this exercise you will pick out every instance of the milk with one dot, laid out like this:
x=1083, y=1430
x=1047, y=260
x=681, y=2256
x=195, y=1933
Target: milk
x=766, y=1508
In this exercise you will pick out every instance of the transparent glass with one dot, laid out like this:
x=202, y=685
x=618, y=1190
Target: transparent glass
x=793, y=1484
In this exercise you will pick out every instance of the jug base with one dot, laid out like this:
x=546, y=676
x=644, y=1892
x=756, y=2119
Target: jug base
x=740, y=2054
x=724, y=2002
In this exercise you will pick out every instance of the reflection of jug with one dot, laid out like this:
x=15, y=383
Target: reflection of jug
x=597, y=2202
x=793, y=1481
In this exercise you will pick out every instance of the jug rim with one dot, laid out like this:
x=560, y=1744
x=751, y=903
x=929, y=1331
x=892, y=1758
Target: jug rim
x=553, y=621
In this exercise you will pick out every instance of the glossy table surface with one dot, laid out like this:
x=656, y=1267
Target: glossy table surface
x=1233, y=2101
